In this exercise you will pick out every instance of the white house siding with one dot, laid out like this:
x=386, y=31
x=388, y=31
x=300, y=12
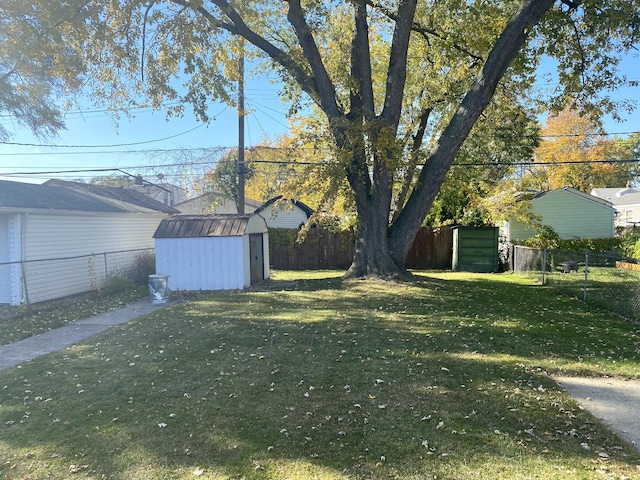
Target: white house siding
x=279, y=216
x=628, y=215
x=55, y=236
x=67, y=237
x=570, y=215
x=202, y=263
x=626, y=201
x=5, y=270
x=11, y=247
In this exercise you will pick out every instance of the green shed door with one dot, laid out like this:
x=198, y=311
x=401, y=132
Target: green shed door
x=475, y=249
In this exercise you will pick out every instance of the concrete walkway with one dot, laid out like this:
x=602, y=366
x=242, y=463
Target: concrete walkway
x=22, y=351
x=615, y=402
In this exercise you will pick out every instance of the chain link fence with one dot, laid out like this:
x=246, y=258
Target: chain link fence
x=602, y=280
x=33, y=281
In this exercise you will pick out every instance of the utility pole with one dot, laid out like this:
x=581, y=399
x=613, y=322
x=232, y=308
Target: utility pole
x=241, y=169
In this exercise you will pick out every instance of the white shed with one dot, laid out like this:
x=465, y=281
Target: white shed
x=212, y=252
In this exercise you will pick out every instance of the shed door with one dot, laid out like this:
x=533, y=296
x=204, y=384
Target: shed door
x=257, y=257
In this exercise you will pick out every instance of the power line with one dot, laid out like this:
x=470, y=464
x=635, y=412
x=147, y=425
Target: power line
x=104, y=146
x=41, y=145
x=289, y=162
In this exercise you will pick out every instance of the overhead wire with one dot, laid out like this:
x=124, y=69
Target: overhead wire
x=290, y=162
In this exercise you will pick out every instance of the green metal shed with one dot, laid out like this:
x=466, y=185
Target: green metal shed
x=475, y=249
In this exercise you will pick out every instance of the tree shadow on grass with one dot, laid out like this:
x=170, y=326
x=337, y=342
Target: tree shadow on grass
x=365, y=380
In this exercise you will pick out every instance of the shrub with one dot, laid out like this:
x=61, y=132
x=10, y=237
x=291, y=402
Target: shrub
x=117, y=284
x=630, y=242
x=143, y=265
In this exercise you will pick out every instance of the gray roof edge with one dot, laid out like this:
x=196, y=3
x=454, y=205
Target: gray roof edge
x=591, y=198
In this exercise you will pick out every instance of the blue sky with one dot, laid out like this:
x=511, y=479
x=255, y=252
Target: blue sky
x=92, y=141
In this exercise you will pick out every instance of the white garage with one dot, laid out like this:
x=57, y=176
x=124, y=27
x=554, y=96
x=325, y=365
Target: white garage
x=212, y=252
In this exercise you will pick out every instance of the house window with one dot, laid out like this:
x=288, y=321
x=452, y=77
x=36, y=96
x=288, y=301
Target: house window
x=629, y=216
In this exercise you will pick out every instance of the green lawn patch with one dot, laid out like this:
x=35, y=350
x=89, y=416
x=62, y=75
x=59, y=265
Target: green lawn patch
x=310, y=377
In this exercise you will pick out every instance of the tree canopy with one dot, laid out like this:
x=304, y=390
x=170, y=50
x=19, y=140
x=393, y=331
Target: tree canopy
x=36, y=67
x=575, y=152
x=395, y=87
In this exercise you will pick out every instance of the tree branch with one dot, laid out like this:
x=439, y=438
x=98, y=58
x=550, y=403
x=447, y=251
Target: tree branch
x=426, y=32
x=414, y=157
x=144, y=37
x=475, y=101
x=397, y=70
x=237, y=26
x=322, y=84
x=361, y=64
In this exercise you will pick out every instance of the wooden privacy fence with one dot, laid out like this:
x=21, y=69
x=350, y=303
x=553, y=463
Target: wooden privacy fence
x=321, y=249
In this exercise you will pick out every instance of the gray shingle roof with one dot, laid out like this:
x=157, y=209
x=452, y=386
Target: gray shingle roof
x=71, y=196
x=619, y=196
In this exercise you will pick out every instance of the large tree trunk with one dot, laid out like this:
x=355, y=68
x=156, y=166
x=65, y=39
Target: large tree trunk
x=380, y=249
x=372, y=257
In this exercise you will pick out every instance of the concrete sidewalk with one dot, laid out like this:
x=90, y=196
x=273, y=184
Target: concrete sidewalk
x=615, y=402
x=22, y=351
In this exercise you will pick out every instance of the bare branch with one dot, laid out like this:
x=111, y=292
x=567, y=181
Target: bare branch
x=144, y=37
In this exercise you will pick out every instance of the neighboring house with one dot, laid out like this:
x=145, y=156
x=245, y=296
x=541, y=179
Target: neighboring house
x=64, y=221
x=284, y=213
x=165, y=193
x=120, y=194
x=626, y=202
x=211, y=203
x=278, y=212
x=571, y=213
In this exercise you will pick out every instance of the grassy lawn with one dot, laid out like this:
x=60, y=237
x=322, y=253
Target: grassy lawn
x=614, y=289
x=315, y=378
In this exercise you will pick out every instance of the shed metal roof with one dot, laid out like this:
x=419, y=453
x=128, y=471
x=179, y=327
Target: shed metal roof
x=189, y=226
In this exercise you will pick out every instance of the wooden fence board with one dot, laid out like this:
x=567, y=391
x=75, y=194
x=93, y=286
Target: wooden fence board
x=323, y=249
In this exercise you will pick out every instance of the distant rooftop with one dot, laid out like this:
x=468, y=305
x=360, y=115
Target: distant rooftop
x=59, y=195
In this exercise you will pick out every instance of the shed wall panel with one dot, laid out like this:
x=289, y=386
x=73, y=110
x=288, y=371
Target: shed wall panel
x=201, y=263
